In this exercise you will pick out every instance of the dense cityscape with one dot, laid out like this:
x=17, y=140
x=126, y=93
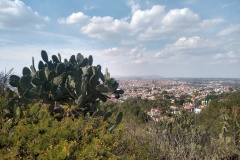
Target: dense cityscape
x=147, y=88
x=192, y=94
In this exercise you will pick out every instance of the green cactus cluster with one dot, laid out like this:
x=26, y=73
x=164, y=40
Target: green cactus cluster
x=74, y=81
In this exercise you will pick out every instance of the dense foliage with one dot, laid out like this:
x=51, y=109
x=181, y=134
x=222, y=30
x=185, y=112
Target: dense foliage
x=29, y=131
x=35, y=134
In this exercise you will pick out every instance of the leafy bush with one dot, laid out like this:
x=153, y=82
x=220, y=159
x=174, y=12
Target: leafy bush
x=38, y=135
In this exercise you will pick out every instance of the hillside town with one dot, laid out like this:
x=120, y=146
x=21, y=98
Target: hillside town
x=180, y=94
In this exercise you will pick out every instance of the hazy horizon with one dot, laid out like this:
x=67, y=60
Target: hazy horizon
x=171, y=39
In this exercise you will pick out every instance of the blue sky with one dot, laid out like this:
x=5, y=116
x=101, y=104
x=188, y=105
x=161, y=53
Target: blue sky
x=170, y=38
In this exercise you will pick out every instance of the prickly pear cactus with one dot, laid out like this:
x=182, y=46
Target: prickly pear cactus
x=74, y=80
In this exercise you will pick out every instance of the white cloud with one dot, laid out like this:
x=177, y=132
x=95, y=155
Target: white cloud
x=136, y=53
x=180, y=18
x=229, y=54
x=161, y=54
x=150, y=24
x=15, y=15
x=228, y=57
x=229, y=30
x=143, y=19
x=210, y=22
x=88, y=7
x=186, y=48
x=105, y=27
x=75, y=18
x=112, y=51
x=184, y=43
x=134, y=6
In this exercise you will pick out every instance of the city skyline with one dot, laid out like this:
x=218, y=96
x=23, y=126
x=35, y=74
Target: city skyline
x=186, y=38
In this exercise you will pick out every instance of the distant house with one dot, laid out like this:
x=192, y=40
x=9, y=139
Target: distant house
x=189, y=107
x=175, y=110
x=155, y=113
x=197, y=110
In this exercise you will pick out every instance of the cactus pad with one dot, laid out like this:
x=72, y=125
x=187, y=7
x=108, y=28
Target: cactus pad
x=14, y=80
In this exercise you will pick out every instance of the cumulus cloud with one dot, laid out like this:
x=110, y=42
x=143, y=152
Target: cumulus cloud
x=185, y=47
x=150, y=24
x=184, y=42
x=105, y=27
x=177, y=22
x=148, y=18
x=180, y=18
x=75, y=18
x=188, y=43
x=15, y=15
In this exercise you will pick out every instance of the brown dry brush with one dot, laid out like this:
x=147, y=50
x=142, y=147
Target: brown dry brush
x=178, y=139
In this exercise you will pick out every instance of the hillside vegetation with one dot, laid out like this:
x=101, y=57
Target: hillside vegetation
x=59, y=113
